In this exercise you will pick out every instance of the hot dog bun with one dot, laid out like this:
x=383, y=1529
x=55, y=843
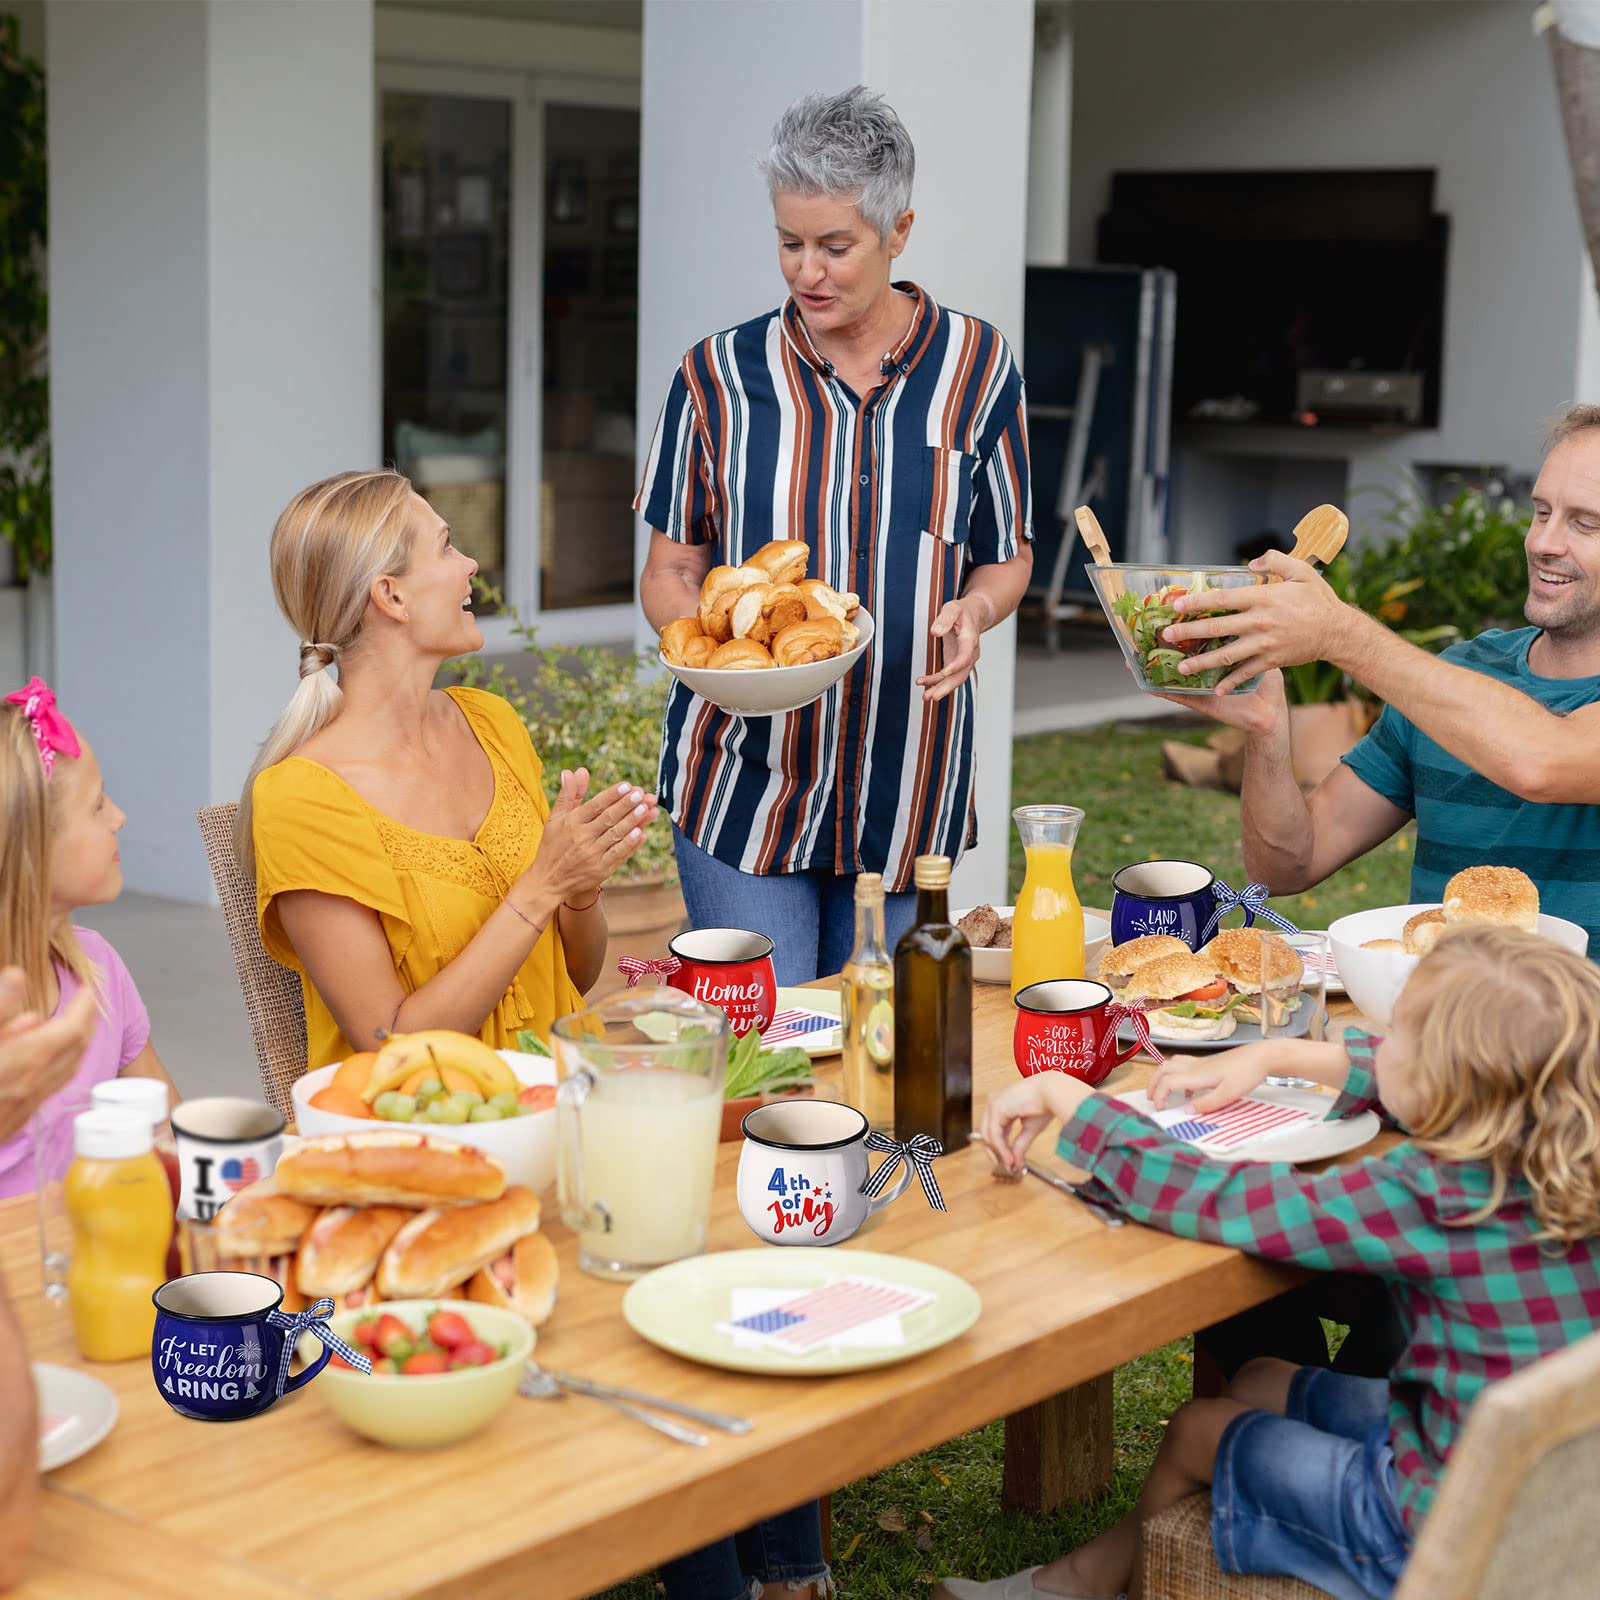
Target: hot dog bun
x=823, y=600
x=818, y=640
x=438, y=1249
x=397, y=1168
x=764, y=610
x=719, y=589
x=523, y=1280
x=259, y=1221
x=781, y=561
x=340, y=1253
x=740, y=655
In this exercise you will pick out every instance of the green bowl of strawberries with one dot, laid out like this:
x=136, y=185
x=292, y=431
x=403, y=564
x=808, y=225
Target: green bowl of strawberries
x=442, y=1369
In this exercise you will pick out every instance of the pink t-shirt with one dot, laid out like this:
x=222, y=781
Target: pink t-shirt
x=121, y=1032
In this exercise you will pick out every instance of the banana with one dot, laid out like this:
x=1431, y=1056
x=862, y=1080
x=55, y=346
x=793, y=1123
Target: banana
x=439, y=1048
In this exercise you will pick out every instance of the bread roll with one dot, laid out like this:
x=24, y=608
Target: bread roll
x=1499, y=895
x=822, y=600
x=819, y=639
x=1421, y=932
x=718, y=591
x=739, y=655
x=340, y=1253
x=438, y=1249
x=764, y=610
x=680, y=637
x=699, y=651
x=398, y=1168
x=259, y=1221
x=781, y=561
x=1119, y=964
x=1383, y=944
x=523, y=1280
x=1238, y=955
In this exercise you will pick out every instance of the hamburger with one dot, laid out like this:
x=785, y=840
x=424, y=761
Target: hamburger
x=1118, y=965
x=1238, y=955
x=1183, y=997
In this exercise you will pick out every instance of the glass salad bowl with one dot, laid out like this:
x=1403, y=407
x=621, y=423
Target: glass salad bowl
x=1137, y=603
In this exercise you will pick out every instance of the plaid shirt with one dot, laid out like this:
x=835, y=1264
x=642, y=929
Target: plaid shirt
x=1480, y=1300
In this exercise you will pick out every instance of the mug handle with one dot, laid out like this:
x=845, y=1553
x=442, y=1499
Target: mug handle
x=311, y=1371
x=1120, y=1057
x=895, y=1189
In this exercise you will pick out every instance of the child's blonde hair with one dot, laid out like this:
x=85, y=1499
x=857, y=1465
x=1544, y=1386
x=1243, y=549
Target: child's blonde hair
x=332, y=543
x=29, y=804
x=1507, y=1069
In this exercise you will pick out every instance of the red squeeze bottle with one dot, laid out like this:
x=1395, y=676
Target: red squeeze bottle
x=148, y=1097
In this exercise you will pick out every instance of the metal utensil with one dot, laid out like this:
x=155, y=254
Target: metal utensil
x=1320, y=535
x=538, y=1384
x=1065, y=1185
x=606, y=1391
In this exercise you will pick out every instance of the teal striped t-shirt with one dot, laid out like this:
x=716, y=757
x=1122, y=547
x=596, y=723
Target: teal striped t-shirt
x=1464, y=820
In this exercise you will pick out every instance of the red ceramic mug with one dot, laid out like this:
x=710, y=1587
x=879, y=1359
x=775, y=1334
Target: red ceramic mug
x=1068, y=1025
x=730, y=968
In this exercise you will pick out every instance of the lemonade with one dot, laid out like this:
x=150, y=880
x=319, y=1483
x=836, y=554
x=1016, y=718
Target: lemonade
x=1047, y=925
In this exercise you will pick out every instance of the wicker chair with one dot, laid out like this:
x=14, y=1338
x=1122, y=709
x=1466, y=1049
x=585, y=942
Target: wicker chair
x=272, y=997
x=1508, y=1523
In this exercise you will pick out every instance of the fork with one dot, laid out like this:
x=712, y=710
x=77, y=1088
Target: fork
x=538, y=1384
x=999, y=1170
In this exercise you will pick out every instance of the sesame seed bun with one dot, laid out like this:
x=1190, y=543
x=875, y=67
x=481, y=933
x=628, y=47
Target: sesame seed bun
x=1422, y=932
x=1167, y=977
x=1163, y=1025
x=1237, y=954
x=1383, y=944
x=1119, y=964
x=1500, y=895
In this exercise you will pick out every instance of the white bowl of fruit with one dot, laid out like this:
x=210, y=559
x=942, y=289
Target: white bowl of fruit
x=451, y=1084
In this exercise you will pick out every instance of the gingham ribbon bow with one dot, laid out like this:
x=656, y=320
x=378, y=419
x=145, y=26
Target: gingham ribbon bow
x=633, y=969
x=312, y=1320
x=1253, y=897
x=919, y=1151
x=1116, y=1015
x=51, y=730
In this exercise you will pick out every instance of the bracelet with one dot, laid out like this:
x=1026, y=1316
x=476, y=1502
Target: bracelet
x=538, y=927
x=591, y=905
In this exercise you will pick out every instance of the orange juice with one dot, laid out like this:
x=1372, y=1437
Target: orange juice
x=120, y=1206
x=1047, y=925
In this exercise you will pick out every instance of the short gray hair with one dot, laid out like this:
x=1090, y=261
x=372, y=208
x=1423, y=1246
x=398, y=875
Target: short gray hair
x=851, y=145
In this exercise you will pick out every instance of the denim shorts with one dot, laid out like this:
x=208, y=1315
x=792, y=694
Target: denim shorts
x=1311, y=1494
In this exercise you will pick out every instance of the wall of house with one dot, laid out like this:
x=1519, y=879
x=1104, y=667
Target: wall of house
x=1461, y=87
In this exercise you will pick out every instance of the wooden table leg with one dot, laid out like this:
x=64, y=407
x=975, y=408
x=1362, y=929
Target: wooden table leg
x=1060, y=1449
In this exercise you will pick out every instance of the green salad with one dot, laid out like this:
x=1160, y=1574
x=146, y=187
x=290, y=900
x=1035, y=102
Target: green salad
x=1147, y=614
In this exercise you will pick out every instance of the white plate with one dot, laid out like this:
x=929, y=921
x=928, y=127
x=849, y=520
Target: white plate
x=771, y=691
x=825, y=1041
x=66, y=1392
x=1243, y=1033
x=994, y=966
x=1313, y=1141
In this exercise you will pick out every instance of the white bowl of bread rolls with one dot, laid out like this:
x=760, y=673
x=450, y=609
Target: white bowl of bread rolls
x=1377, y=951
x=766, y=639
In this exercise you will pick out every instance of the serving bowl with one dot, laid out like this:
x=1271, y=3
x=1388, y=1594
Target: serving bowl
x=994, y=966
x=1373, y=979
x=1120, y=585
x=438, y=1408
x=525, y=1146
x=771, y=691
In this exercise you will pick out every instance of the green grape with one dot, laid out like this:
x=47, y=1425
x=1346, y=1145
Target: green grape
x=395, y=1107
x=528, y=1111
x=450, y=1111
x=505, y=1104
x=429, y=1089
x=485, y=1113
x=434, y=1110
x=468, y=1098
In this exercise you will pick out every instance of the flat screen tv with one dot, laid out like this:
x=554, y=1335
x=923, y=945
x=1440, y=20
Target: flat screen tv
x=1305, y=298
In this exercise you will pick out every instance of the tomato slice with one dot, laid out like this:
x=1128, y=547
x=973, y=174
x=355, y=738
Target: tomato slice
x=1212, y=991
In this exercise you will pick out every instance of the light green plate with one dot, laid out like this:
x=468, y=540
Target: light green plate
x=678, y=1307
x=825, y=1041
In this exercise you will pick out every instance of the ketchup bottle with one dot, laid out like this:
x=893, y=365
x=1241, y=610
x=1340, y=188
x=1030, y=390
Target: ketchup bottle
x=148, y=1098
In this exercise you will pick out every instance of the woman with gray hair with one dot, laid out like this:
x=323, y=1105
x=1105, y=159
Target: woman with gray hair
x=886, y=432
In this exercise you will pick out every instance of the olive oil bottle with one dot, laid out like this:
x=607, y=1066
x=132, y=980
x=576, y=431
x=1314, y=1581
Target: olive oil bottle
x=866, y=1010
x=933, y=1017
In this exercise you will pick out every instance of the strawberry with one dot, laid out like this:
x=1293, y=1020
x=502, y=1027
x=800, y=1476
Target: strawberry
x=425, y=1361
x=361, y=1334
x=391, y=1337
x=384, y=1366
x=450, y=1330
x=474, y=1353
x=541, y=1096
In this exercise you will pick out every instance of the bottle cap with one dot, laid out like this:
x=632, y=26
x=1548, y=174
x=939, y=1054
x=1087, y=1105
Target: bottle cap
x=932, y=872
x=146, y=1097
x=107, y=1134
x=869, y=888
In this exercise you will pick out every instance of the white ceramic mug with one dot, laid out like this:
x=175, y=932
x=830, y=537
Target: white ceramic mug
x=224, y=1145
x=802, y=1170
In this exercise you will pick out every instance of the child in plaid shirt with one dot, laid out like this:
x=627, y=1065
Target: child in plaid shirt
x=1485, y=1226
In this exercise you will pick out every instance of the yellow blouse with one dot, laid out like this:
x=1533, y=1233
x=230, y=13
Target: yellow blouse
x=313, y=831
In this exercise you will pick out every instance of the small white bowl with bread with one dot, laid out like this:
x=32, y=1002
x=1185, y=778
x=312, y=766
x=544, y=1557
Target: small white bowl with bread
x=766, y=639
x=991, y=960
x=1377, y=951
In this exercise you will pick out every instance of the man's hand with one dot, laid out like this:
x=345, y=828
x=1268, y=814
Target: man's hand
x=37, y=1058
x=1263, y=712
x=1272, y=625
x=960, y=624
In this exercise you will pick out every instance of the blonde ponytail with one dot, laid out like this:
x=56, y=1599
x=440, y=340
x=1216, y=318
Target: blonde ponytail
x=332, y=543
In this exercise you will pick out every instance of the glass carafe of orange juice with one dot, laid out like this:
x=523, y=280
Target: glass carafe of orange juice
x=1047, y=925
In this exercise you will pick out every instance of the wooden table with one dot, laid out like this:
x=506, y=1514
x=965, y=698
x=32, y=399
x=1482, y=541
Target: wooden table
x=562, y=1498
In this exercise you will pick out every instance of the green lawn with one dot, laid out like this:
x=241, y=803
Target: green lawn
x=942, y=1508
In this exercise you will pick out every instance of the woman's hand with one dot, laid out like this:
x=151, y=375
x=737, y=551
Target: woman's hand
x=1016, y=1116
x=37, y=1058
x=960, y=624
x=584, y=842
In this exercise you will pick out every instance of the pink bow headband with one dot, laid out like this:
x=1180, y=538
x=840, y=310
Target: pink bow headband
x=51, y=731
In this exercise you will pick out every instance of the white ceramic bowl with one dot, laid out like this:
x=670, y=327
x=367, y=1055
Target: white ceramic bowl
x=1373, y=979
x=524, y=1146
x=770, y=691
x=994, y=966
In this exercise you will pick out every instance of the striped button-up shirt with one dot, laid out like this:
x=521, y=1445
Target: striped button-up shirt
x=898, y=494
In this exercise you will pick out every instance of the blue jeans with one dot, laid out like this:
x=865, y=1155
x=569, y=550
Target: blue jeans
x=810, y=917
x=785, y=1549
x=1311, y=1493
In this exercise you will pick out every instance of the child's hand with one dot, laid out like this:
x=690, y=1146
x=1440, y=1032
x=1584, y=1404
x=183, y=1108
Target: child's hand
x=1215, y=1081
x=1021, y=1112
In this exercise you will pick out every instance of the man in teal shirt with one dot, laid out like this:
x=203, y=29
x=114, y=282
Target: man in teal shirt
x=1494, y=747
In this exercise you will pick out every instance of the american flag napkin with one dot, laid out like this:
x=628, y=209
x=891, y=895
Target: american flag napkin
x=797, y=1023
x=1233, y=1125
x=805, y=1321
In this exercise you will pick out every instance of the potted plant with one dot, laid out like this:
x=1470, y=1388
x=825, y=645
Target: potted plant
x=587, y=706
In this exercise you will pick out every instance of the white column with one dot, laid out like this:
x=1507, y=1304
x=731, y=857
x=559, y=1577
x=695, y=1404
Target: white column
x=212, y=204
x=959, y=76
x=1050, y=135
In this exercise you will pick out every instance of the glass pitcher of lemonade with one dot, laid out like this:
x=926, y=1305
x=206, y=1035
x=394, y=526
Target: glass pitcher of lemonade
x=1047, y=924
x=639, y=1115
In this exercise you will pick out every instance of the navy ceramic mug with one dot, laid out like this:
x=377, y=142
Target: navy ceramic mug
x=1171, y=897
x=217, y=1354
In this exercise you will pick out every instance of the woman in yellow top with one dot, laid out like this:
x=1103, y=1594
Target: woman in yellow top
x=407, y=863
